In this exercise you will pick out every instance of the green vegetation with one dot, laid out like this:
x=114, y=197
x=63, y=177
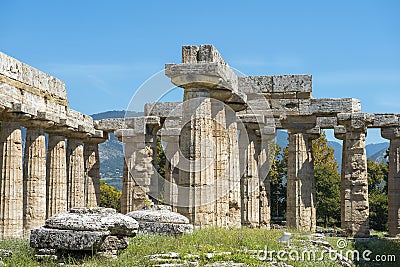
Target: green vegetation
x=110, y=197
x=239, y=242
x=327, y=183
x=378, y=199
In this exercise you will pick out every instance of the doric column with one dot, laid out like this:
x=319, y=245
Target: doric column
x=11, y=180
x=221, y=163
x=267, y=134
x=92, y=172
x=204, y=76
x=138, y=167
x=76, y=173
x=250, y=192
x=34, y=179
x=354, y=186
x=172, y=153
x=393, y=134
x=301, y=202
x=92, y=168
x=196, y=180
x=234, y=173
x=56, y=175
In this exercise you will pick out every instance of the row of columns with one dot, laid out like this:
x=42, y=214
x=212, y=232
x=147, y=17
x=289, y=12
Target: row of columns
x=249, y=204
x=37, y=183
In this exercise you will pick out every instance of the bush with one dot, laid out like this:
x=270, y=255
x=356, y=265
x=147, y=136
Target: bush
x=110, y=197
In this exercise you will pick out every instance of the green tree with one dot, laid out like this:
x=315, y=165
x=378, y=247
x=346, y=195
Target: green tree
x=377, y=192
x=110, y=197
x=327, y=182
x=277, y=177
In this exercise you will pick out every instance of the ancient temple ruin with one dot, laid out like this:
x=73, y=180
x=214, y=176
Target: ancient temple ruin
x=216, y=142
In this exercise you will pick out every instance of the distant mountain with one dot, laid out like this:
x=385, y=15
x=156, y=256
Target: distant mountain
x=373, y=149
x=116, y=114
x=337, y=147
x=379, y=156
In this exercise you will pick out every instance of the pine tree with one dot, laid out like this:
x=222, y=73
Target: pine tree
x=327, y=182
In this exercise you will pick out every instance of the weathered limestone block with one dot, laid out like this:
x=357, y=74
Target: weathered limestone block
x=56, y=175
x=76, y=173
x=34, y=179
x=83, y=230
x=160, y=220
x=67, y=239
x=279, y=84
x=110, y=125
x=301, y=195
x=11, y=182
x=354, y=188
x=393, y=134
x=386, y=120
x=30, y=78
x=329, y=106
x=94, y=219
x=163, y=109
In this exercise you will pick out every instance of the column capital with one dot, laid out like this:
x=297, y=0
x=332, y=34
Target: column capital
x=355, y=121
x=203, y=68
x=390, y=133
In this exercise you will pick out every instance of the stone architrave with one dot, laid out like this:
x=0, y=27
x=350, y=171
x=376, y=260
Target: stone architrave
x=56, y=175
x=393, y=134
x=76, y=173
x=354, y=186
x=34, y=179
x=11, y=180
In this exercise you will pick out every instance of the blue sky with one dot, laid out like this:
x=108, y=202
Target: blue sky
x=105, y=50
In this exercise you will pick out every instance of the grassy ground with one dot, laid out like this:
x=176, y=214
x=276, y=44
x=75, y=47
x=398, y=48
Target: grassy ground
x=240, y=243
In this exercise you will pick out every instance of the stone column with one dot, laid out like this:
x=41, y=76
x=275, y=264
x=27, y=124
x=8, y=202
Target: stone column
x=234, y=173
x=393, y=134
x=34, y=179
x=354, y=186
x=250, y=183
x=56, y=175
x=11, y=180
x=92, y=172
x=76, y=173
x=196, y=181
x=138, y=158
x=301, y=202
x=171, y=137
x=267, y=134
x=204, y=76
x=221, y=163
